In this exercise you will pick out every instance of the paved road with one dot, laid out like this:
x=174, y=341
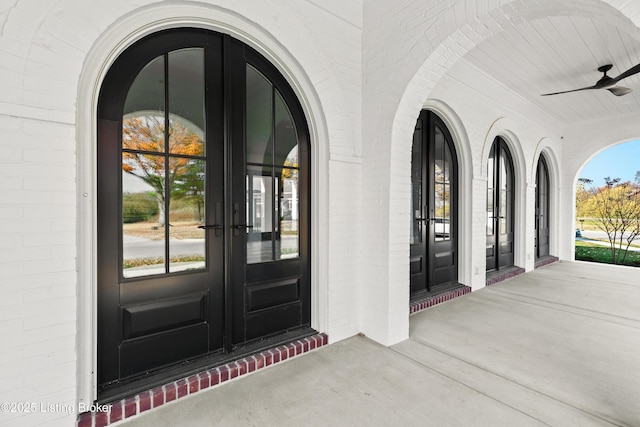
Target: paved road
x=605, y=244
x=137, y=247
x=598, y=234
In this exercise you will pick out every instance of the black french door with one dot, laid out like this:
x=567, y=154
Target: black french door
x=203, y=205
x=542, y=209
x=434, y=171
x=500, y=210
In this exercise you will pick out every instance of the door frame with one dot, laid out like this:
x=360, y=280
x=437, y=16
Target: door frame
x=98, y=60
x=542, y=164
x=498, y=146
x=430, y=120
x=229, y=139
x=503, y=128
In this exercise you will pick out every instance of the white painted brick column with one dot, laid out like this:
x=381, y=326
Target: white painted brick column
x=479, y=233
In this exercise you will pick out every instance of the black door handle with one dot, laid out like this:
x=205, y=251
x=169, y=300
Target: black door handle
x=209, y=227
x=218, y=218
x=242, y=226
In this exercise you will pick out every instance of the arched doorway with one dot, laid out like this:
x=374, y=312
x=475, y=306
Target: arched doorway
x=542, y=209
x=434, y=227
x=203, y=207
x=500, y=207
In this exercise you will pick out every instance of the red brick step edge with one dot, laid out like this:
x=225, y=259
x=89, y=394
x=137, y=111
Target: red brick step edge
x=423, y=304
x=154, y=398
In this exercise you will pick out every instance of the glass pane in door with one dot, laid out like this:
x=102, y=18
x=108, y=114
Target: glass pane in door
x=143, y=174
x=166, y=238
x=442, y=187
x=287, y=237
x=143, y=239
x=186, y=213
x=187, y=164
x=260, y=210
x=416, y=188
x=259, y=118
x=186, y=102
x=490, y=194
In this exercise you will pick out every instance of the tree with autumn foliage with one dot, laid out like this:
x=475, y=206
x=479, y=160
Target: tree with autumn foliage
x=616, y=208
x=146, y=156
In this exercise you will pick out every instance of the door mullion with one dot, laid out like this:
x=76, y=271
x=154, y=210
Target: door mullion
x=429, y=149
x=167, y=194
x=273, y=176
x=227, y=155
x=496, y=202
x=235, y=191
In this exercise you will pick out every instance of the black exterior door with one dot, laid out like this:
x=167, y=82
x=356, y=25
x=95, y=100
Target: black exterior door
x=542, y=209
x=433, y=250
x=203, y=205
x=500, y=212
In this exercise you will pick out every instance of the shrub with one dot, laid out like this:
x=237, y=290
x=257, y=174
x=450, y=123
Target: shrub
x=138, y=207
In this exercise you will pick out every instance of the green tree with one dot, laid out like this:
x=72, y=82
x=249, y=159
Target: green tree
x=616, y=207
x=190, y=186
x=583, y=195
x=144, y=136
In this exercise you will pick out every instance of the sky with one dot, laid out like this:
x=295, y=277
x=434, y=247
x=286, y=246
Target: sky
x=620, y=161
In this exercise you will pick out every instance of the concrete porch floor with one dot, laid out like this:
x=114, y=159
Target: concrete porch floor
x=557, y=346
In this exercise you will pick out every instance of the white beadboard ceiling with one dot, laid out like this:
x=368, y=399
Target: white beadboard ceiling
x=562, y=53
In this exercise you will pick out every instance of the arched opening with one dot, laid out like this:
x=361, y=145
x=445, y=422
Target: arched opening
x=213, y=134
x=542, y=209
x=500, y=212
x=434, y=219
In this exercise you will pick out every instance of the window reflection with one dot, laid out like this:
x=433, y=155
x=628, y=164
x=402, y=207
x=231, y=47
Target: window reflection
x=186, y=212
x=272, y=173
x=416, y=188
x=442, y=188
x=259, y=208
x=490, y=193
x=287, y=246
x=163, y=167
x=259, y=118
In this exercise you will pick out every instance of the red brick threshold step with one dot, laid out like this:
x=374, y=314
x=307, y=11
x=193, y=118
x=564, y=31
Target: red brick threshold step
x=134, y=405
x=494, y=278
x=545, y=261
x=422, y=304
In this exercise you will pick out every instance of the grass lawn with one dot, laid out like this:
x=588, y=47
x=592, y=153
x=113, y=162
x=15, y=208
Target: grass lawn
x=597, y=253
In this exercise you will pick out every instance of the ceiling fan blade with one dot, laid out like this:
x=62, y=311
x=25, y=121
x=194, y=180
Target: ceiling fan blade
x=619, y=90
x=630, y=72
x=573, y=90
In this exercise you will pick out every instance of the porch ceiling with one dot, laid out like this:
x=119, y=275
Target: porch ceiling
x=554, y=54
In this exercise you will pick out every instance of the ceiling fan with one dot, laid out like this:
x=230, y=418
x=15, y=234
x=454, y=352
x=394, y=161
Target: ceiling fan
x=606, y=82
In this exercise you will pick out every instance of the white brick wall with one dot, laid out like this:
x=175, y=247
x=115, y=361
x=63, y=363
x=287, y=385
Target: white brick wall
x=362, y=69
x=408, y=46
x=37, y=265
x=45, y=52
x=344, y=238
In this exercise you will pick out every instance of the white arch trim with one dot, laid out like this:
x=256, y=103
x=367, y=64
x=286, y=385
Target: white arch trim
x=108, y=46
